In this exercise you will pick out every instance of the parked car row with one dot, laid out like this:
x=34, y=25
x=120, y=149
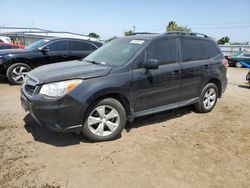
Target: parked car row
x=235, y=59
x=126, y=78
x=5, y=39
x=15, y=63
x=5, y=46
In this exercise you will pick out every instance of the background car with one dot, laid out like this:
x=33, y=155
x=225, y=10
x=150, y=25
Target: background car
x=5, y=39
x=15, y=62
x=5, y=46
x=235, y=59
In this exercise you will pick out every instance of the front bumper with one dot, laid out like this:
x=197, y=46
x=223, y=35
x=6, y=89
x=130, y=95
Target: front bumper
x=61, y=115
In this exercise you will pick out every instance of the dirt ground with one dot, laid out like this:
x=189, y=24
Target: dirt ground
x=179, y=148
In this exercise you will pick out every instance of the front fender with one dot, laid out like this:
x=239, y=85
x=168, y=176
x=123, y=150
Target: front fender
x=94, y=88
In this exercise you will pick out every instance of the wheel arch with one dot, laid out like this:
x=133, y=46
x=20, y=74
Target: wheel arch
x=19, y=60
x=123, y=99
x=217, y=82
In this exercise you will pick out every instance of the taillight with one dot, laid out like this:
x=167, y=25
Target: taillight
x=225, y=63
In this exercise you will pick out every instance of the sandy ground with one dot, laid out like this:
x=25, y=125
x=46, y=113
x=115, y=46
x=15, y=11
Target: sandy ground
x=179, y=148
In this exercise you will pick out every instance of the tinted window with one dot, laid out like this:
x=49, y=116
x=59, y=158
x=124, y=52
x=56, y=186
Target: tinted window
x=81, y=46
x=165, y=51
x=191, y=50
x=246, y=54
x=58, y=46
x=210, y=49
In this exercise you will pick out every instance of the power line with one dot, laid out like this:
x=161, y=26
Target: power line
x=229, y=25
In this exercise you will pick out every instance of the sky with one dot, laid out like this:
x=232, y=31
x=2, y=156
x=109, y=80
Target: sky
x=216, y=18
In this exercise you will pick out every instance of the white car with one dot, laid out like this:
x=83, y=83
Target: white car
x=5, y=39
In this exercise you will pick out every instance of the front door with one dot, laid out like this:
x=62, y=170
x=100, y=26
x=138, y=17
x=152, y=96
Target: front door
x=58, y=51
x=160, y=87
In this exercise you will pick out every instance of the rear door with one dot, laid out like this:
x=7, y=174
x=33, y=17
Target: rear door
x=80, y=49
x=155, y=88
x=195, y=67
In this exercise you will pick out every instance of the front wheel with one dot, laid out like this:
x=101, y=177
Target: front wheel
x=105, y=120
x=16, y=73
x=208, y=98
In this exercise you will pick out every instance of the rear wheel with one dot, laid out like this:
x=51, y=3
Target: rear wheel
x=16, y=73
x=105, y=120
x=208, y=98
x=237, y=64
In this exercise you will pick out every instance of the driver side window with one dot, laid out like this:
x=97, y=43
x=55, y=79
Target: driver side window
x=165, y=51
x=58, y=46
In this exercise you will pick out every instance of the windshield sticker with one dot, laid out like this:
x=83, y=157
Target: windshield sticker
x=136, y=41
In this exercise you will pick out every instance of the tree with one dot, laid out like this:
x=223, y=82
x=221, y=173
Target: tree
x=173, y=26
x=223, y=40
x=94, y=35
x=128, y=33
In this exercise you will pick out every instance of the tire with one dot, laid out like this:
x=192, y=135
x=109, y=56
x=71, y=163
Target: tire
x=100, y=125
x=15, y=73
x=210, y=90
x=237, y=64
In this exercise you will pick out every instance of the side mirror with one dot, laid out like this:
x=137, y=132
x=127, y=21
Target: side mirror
x=45, y=49
x=151, y=64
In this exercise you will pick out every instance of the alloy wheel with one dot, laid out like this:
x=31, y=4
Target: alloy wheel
x=18, y=73
x=103, y=120
x=209, y=98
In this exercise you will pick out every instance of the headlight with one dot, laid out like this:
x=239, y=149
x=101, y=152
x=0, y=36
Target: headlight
x=59, y=89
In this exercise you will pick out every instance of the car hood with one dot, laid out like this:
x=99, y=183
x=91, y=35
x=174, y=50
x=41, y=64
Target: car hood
x=68, y=70
x=13, y=51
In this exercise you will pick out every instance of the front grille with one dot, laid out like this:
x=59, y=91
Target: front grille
x=30, y=85
x=30, y=89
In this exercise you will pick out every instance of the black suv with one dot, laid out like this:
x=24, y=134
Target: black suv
x=124, y=79
x=14, y=63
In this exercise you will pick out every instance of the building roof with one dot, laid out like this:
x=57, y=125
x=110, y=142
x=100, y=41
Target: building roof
x=37, y=32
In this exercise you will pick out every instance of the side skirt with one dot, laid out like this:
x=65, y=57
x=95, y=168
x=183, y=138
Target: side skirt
x=166, y=107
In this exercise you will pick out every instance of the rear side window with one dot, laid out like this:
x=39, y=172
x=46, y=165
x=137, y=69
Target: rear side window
x=165, y=51
x=58, y=46
x=80, y=46
x=191, y=50
x=246, y=54
x=210, y=49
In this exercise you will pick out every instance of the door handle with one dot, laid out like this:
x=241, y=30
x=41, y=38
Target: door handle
x=176, y=72
x=206, y=66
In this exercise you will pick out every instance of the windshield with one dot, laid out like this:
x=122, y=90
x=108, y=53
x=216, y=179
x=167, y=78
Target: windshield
x=237, y=53
x=37, y=44
x=117, y=52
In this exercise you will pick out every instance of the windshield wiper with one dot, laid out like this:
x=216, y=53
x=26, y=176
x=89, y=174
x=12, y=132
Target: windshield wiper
x=95, y=62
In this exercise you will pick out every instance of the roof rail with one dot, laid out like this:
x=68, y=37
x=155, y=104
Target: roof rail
x=142, y=33
x=187, y=33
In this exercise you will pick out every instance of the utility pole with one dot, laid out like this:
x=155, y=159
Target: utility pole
x=134, y=28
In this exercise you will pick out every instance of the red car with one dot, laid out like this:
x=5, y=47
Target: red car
x=4, y=46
